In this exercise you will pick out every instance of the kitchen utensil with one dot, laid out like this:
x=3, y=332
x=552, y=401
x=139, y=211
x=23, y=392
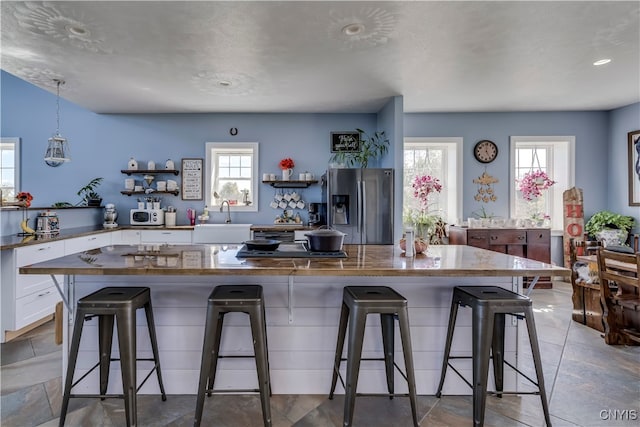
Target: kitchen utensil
x=262, y=244
x=287, y=197
x=169, y=164
x=161, y=185
x=129, y=184
x=151, y=165
x=274, y=205
x=282, y=204
x=325, y=240
x=300, y=204
x=265, y=176
x=293, y=204
x=137, y=188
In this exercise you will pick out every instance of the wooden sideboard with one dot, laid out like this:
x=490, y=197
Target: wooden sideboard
x=532, y=243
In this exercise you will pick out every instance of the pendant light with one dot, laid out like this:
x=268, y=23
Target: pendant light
x=58, y=149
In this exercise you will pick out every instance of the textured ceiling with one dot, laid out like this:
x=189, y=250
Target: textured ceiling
x=289, y=56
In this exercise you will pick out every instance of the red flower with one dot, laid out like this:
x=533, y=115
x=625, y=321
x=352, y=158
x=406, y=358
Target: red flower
x=286, y=163
x=25, y=197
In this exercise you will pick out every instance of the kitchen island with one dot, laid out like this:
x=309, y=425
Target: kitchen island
x=303, y=299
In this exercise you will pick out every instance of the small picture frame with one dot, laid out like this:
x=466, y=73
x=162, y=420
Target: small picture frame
x=192, y=183
x=634, y=168
x=345, y=142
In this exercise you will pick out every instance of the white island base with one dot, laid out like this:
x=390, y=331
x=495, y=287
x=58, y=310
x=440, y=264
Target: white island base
x=302, y=315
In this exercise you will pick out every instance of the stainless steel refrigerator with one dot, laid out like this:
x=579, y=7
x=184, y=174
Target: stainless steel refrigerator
x=360, y=204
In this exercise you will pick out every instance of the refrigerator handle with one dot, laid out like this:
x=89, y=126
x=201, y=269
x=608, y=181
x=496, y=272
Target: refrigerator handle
x=359, y=206
x=363, y=229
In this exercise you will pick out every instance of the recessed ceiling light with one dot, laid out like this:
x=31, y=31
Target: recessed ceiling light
x=76, y=31
x=602, y=61
x=224, y=83
x=353, y=29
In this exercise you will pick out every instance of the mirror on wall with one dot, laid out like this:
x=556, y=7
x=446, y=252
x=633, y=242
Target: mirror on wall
x=9, y=168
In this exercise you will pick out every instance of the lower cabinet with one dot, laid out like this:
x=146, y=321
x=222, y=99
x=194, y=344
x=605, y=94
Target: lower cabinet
x=26, y=299
x=165, y=236
x=532, y=243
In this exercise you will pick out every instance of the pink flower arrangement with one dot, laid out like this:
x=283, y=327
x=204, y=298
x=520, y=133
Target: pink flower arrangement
x=286, y=163
x=532, y=184
x=423, y=185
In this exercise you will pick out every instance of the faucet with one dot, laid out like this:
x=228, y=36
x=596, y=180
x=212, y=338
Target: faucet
x=228, y=220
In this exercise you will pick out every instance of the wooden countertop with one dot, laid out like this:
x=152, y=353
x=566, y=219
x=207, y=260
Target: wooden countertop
x=363, y=260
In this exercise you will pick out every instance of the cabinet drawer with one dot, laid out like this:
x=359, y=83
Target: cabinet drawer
x=538, y=236
x=27, y=284
x=80, y=244
x=38, y=253
x=36, y=306
x=165, y=236
x=508, y=237
x=478, y=238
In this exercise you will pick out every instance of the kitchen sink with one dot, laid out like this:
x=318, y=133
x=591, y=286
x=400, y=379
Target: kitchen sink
x=221, y=233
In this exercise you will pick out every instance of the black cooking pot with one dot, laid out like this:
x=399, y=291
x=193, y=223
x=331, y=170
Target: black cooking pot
x=262, y=244
x=325, y=240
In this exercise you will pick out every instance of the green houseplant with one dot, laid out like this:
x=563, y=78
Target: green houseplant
x=89, y=195
x=611, y=227
x=370, y=148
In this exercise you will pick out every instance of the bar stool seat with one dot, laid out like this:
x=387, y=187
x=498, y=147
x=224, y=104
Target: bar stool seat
x=225, y=299
x=489, y=304
x=109, y=304
x=357, y=303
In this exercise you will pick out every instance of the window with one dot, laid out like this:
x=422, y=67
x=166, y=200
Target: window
x=551, y=154
x=439, y=157
x=232, y=170
x=9, y=168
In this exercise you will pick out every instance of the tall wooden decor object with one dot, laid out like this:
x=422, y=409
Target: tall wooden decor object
x=573, y=219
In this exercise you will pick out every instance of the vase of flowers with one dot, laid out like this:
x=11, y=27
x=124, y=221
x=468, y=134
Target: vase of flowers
x=424, y=222
x=286, y=165
x=24, y=199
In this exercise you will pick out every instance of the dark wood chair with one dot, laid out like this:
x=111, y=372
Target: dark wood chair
x=621, y=308
x=587, y=308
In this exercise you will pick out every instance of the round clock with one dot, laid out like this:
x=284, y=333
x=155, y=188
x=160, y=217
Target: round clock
x=485, y=151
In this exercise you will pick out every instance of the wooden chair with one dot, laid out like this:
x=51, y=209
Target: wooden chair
x=587, y=308
x=621, y=308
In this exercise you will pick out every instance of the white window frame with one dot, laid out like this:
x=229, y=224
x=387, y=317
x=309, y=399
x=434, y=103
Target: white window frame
x=561, y=167
x=16, y=160
x=452, y=181
x=210, y=148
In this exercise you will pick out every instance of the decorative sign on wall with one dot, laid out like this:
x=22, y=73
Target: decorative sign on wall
x=573, y=219
x=192, y=179
x=345, y=141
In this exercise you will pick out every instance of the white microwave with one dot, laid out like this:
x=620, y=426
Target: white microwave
x=146, y=217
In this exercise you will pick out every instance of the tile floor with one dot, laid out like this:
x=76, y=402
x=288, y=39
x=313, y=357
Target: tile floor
x=588, y=384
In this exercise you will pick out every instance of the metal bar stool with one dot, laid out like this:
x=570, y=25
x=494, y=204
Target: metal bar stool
x=109, y=304
x=358, y=302
x=226, y=299
x=489, y=304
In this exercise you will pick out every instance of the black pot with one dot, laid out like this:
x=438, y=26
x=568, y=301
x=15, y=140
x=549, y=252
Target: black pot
x=325, y=240
x=262, y=244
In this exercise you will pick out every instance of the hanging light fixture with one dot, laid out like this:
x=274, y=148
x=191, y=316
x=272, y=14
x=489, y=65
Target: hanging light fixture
x=58, y=149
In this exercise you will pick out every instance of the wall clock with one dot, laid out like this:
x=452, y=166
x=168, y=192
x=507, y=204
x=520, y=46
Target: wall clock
x=485, y=151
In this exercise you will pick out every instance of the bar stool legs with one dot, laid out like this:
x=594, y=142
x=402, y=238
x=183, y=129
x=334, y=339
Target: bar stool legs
x=225, y=299
x=489, y=305
x=114, y=304
x=358, y=302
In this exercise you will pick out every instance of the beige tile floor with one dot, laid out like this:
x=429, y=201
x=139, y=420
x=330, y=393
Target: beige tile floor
x=588, y=384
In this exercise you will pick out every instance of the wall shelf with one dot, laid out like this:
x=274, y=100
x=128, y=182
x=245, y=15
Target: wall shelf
x=130, y=192
x=290, y=184
x=149, y=171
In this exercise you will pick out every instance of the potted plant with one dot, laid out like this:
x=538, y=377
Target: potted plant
x=370, y=148
x=424, y=222
x=89, y=195
x=609, y=228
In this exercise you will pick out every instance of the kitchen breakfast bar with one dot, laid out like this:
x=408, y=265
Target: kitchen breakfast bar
x=303, y=297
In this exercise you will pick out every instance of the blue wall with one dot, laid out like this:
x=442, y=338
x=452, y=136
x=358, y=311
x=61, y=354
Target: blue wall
x=101, y=144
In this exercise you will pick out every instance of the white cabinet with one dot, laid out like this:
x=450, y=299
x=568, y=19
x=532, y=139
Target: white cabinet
x=85, y=243
x=125, y=237
x=166, y=236
x=27, y=298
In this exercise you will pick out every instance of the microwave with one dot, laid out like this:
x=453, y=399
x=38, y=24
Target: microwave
x=146, y=217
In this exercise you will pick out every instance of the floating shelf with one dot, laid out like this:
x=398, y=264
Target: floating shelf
x=149, y=172
x=129, y=192
x=289, y=184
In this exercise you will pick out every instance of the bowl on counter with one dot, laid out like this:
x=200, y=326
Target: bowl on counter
x=262, y=244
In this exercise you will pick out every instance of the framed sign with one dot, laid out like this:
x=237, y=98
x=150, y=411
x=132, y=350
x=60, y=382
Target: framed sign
x=634, y=168
x=192, y=179
x=345, y=141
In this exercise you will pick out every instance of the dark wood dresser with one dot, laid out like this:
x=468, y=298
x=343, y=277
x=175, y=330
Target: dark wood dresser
x=533, y=243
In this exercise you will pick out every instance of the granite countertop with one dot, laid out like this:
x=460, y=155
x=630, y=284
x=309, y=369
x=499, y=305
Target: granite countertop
x=280, y=227
x=362, y=260
x=16, y=241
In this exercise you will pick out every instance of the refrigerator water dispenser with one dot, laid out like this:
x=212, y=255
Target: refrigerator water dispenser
x=340, y=206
